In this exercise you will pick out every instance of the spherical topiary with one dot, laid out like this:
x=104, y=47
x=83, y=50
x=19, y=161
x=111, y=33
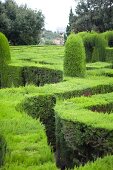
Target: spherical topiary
x=74, y=60
x=5, y=57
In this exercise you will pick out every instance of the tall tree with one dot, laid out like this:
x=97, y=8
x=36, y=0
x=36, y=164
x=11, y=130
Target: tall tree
x=20, y=24
x=93, y=15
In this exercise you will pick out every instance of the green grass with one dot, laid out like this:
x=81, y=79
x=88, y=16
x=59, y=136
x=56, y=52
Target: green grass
x=42, y=56
x=26, y=140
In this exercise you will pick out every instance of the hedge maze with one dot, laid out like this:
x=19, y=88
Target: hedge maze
x=57, y=113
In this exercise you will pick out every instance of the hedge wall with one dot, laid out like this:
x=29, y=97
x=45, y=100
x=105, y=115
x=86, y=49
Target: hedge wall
x=43, y=107
x=109, y=55
x=83, y=134
x=21, y=76
x=105, y=163
x=2, y=150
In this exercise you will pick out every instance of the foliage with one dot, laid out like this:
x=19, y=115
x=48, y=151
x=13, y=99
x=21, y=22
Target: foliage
x=25, y=137
x=92, y=15
x=105, y=163
x=74, y=60
x=43, y=107
x=81, y=134
x=108, y=35
x=20, y=24
x=109, y=54
x=5, y=57
x=95, y=45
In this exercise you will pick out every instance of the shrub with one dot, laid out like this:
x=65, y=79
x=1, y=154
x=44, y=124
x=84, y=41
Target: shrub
x=89, y=44
x=108, y=35
x=74, y=61
x=2, y=150
x=100, y=45
x=95, y=45
x=5, y=57
x=109, y=54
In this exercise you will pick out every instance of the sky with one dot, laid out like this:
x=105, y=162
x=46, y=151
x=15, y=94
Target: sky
x=56, y=12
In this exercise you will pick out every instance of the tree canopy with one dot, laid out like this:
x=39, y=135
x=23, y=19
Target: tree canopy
x=20, y=24
x=91, y=15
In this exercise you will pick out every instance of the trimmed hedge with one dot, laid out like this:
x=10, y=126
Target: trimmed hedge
x=74, y=60
x=2, y=150
x=109, y=55
x=43, y=107
x=108, y=35
x=89, y=43
x=5, y=57
x=95, y=45
x=105, y=163
x=82, y=133
x=21, y=76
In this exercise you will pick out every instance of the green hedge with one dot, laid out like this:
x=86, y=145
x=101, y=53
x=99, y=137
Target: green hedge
x=83, y=134
x=43, y=107
x=2, y=150
x=74, y=60
x=108, y=35
x=24, y=75
x=5, y=57
x=109, y=54
x=95, y=45
x=105, y=163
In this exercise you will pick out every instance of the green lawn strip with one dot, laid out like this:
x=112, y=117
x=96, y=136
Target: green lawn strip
x=71, y=87
x=25, y=137
x=105, y=163
x=53, y=55
x=98, y=65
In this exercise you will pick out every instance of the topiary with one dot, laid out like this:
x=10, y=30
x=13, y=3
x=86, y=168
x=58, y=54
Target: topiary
x=89, y=43
x=74, y=60
x=5, y=59
x=100, y=45
x=108, y=35
x=5, y=56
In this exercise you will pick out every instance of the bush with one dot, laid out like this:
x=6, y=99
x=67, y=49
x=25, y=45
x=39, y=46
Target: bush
x=89, y=44
x=2, y=150
x=108, y=35
x=5, y=57
x=95, y=45
x=42, y=107
x=74, y=61
x=109, y=54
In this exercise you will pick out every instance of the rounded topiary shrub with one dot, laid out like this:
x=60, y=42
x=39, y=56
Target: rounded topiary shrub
x=5, y=56
x=74, y=60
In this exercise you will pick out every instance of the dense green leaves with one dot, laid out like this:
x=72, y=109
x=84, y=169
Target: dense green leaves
x=92, y=15
x=5, y=57
x=74, y=61
x=20, y=24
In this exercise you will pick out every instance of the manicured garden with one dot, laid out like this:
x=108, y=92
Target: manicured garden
x=56, y=104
